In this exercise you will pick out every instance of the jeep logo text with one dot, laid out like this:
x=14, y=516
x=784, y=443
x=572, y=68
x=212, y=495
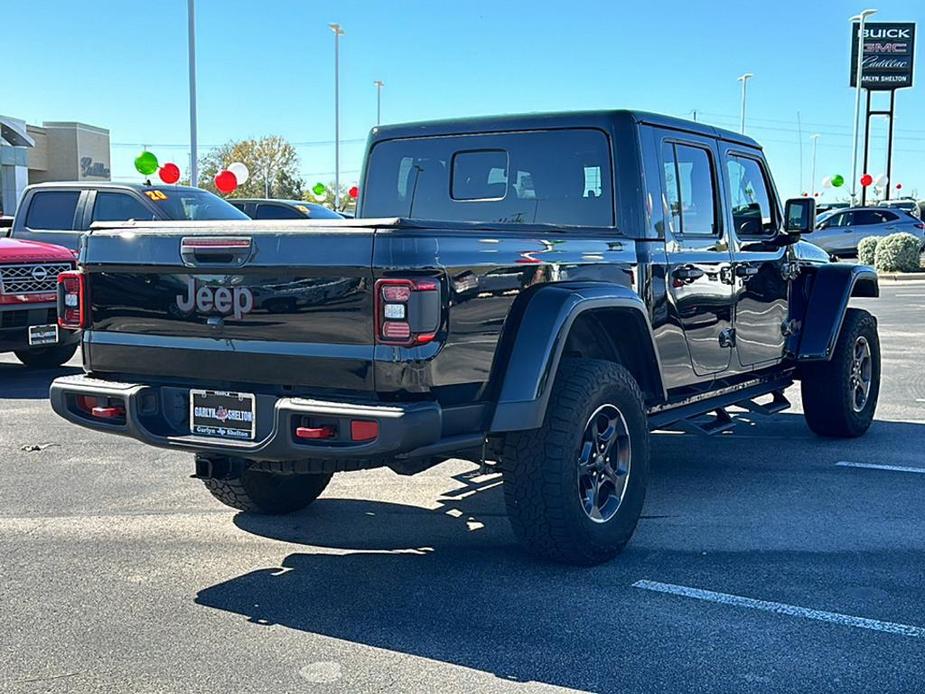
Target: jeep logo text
x=223, y=300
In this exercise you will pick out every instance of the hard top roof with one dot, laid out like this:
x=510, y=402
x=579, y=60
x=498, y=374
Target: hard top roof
x=603, y=119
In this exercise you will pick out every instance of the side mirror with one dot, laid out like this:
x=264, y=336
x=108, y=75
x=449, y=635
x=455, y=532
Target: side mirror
x=800, y=215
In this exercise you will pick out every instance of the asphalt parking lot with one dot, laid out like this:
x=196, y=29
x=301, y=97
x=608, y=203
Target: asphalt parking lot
x=768, y=560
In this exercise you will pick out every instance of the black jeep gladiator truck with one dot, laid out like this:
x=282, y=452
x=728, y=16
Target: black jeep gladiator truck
x=534, y=292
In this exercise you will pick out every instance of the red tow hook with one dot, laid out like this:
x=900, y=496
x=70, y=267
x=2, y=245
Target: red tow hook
x=325, y=432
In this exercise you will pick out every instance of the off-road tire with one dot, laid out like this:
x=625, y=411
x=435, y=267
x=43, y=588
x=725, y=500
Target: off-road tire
x=46, y=357
x=268, y=493
x=540, y=467
x=826, y=387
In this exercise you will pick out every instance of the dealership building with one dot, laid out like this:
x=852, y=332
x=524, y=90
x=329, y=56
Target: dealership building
x=54, y=151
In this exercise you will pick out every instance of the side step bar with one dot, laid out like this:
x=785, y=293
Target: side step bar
x=710, y=416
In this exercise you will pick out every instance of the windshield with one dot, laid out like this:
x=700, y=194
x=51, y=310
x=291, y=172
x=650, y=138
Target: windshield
x=193, y=205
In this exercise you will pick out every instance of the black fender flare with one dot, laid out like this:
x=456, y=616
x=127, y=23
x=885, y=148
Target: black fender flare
x=539, y=342
x=833, y=286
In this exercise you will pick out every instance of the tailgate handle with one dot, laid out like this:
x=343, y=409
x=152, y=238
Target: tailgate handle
x=216, y=250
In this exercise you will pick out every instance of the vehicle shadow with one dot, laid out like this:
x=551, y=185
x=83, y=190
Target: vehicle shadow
x=450, y=584
x=19, y=382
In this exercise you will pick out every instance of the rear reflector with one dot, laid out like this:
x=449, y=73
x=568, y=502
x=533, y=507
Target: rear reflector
x=326, y=432
x=363, y=429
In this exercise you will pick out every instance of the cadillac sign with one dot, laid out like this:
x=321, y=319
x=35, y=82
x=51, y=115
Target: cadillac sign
x=888, y=55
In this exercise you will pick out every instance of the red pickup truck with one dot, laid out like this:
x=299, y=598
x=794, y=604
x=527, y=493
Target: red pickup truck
x=28, y=302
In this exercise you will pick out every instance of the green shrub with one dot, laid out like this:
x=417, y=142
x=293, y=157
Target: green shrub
x=867, y=249
x=898, y=253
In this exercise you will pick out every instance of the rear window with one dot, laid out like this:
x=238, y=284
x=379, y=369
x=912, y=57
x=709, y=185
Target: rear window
x=53, y=209
x=192, y=205
x=277, y=212
x=551, y=177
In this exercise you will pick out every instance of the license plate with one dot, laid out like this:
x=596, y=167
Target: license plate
x=221, y=414
x=43, y=335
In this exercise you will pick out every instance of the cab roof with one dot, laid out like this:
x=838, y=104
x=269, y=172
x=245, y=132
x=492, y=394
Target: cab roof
x=99, y=185
x=603, y=119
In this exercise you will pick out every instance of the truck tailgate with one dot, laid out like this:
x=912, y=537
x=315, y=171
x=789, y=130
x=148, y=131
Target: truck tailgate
x=232, y=303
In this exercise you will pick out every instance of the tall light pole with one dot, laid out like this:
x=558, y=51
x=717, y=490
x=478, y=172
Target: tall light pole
x=194, y=157
x=815, y=137
x=338, y=32
x=861, y=18
x=379, y=84
x=744, y=80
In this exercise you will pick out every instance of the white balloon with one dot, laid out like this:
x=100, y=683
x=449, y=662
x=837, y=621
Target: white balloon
x=827, y=182
x=881, y=181
x=240, y=172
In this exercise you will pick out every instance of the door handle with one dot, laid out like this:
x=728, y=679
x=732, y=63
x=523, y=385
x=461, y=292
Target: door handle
x=687, y=273
x=746, y=271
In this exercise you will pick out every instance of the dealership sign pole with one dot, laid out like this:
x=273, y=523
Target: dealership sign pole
x=885, y=64
x=193, y=160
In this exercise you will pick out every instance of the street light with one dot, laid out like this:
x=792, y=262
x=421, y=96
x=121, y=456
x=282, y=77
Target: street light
x=861, y=18
x=814, y=138
x=191, y=30
x=379, y=84
x=744, y=80
x=338, y=32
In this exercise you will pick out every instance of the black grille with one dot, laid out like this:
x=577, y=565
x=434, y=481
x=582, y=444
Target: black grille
x=20, y=318
x=32, y=278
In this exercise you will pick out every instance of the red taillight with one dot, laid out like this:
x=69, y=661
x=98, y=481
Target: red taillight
x=407, y=311
x=72, y=300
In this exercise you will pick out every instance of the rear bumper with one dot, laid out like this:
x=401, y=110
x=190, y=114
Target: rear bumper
x=159, y=415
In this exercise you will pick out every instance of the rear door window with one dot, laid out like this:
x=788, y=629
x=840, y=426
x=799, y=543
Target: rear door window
x=53, y=209
x=551, y=177
x=119, y=207
x=690, y=189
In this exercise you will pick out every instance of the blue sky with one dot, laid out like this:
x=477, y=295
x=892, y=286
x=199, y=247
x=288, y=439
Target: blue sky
x=267, y=68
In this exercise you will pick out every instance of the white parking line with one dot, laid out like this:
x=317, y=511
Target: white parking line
x=874, y=466
x=782, y=608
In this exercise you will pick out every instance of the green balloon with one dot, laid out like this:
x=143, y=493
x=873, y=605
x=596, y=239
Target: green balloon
x=319, y=189
x=146, y=163
x=838, y=180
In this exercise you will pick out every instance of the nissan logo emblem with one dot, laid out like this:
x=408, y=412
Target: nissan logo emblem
x=39, y=274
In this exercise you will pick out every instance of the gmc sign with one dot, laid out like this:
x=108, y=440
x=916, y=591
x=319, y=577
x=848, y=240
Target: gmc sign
x=888, y=59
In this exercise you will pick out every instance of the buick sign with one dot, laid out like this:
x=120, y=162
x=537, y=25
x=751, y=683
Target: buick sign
x=889, y=56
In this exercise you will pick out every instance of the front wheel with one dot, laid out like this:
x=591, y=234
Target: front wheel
x=840, y=395
x=269, y=493
x=575, y=487
x=46, y=357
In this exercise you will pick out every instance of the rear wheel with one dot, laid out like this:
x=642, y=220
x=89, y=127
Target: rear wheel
x=46, y=357
x=269, y=493
x=840, y=395
x=574, y=488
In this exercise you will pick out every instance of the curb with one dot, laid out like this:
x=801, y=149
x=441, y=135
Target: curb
x=902, y=276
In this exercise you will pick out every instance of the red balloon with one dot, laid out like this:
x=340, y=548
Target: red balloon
x=169, y=173
x=226, y=182
x=866, y=180
x=899, y=186
x=354, y=192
